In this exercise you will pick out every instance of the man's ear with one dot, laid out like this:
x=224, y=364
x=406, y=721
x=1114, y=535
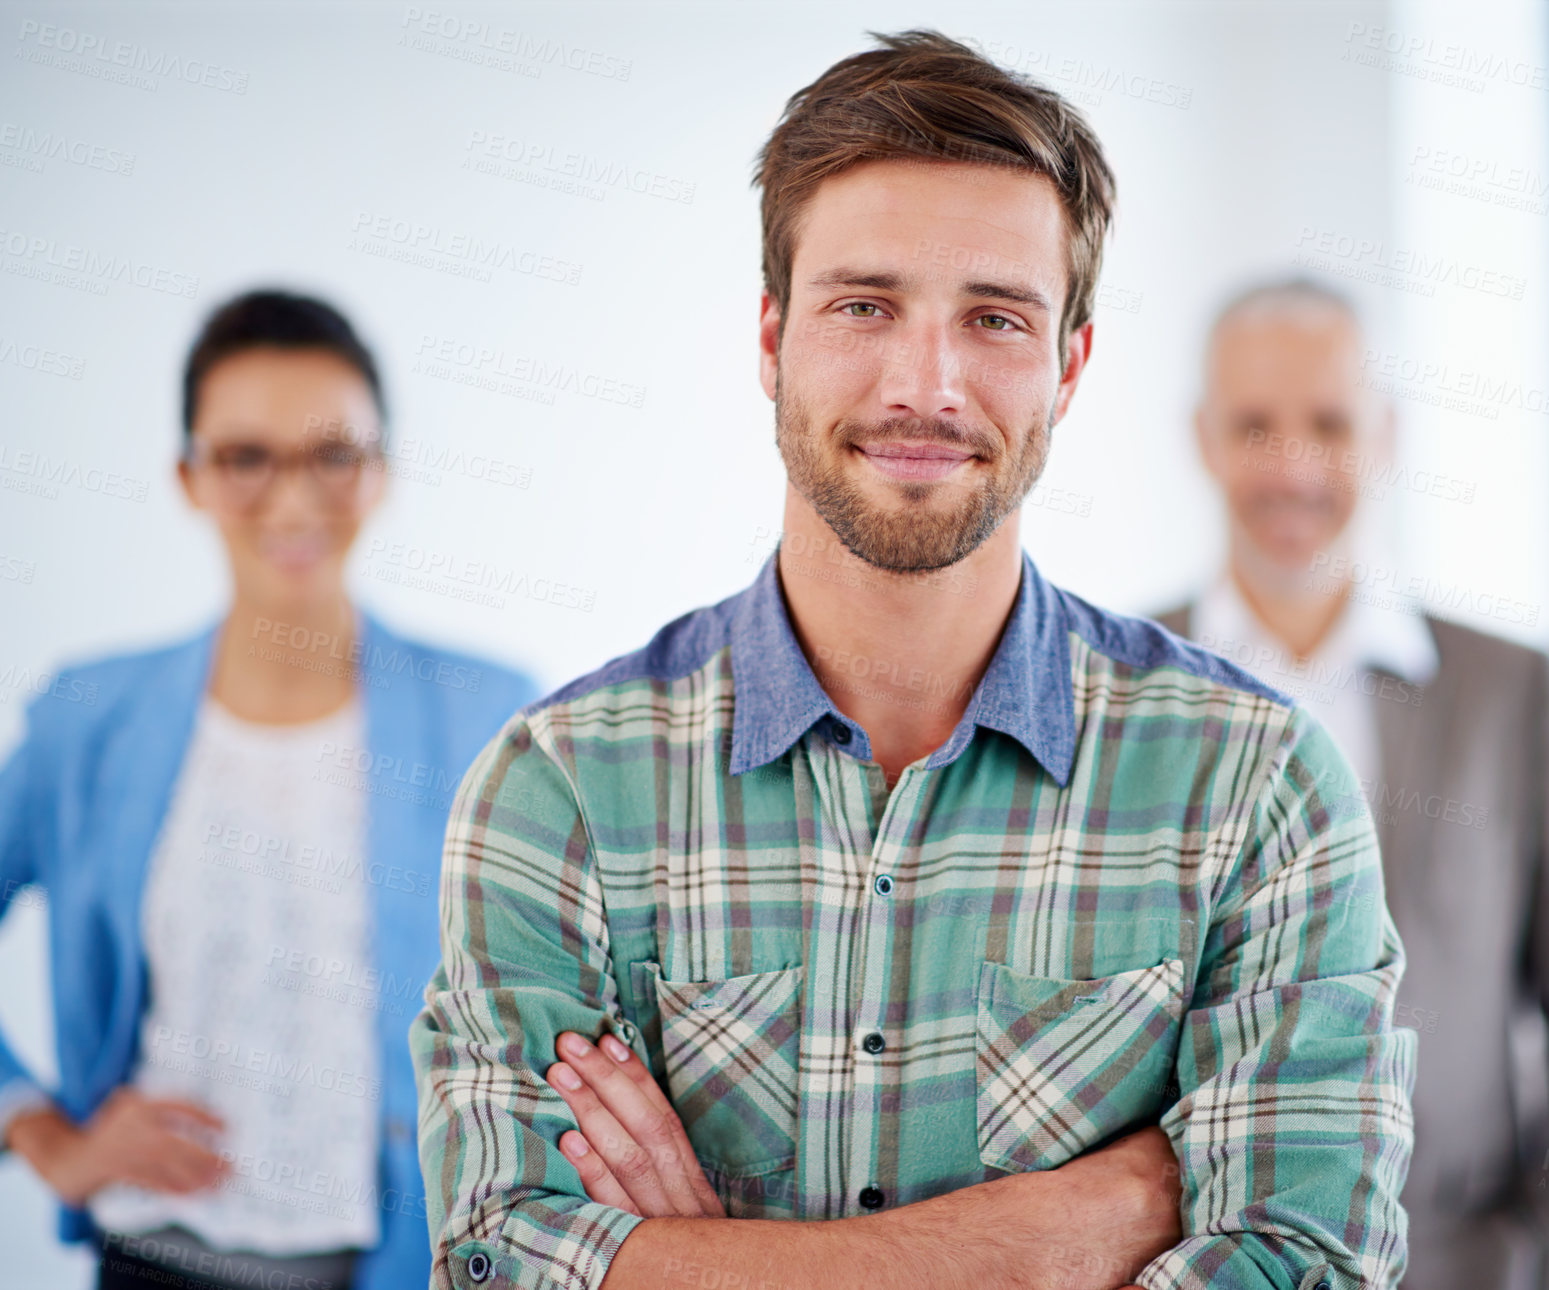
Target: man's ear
x=1206, y=441
x=768, y=343
x=1078, y=350
x=1387, y=432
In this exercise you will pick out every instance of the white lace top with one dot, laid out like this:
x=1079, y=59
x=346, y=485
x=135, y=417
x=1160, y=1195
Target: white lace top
x=262, y=1003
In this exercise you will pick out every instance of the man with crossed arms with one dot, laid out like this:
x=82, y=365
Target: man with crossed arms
x=1002, y=940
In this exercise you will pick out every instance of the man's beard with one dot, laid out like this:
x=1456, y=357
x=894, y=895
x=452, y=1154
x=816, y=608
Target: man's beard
x=914, y=538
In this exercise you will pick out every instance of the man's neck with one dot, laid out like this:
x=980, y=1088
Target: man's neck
x=899, y=654
x=1299, y=615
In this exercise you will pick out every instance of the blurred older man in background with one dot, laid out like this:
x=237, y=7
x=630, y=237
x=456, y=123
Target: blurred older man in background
x=1448, y=730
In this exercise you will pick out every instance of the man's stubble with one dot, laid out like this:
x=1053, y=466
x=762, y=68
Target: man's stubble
x=914, y=537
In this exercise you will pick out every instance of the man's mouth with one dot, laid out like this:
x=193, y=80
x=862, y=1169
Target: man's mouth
x=293, y=551
x=901, y=459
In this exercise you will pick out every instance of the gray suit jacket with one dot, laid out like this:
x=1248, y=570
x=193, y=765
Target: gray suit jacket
x=1462, y=814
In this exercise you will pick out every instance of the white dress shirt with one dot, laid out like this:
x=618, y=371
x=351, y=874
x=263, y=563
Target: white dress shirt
x=1347, y=676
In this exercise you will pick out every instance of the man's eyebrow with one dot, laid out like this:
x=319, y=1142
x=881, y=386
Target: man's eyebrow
x=859, y=278
x=981, y=288
x=1006, y=291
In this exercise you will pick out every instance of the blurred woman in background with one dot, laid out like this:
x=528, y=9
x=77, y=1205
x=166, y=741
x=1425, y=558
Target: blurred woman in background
x=240, y=838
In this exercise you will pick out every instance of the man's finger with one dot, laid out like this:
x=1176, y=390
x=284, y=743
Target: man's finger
x=600, y=1184
x=628, y=1161
x=645, y=1116
x=650, y=1090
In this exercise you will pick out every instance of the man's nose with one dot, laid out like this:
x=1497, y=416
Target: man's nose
x=923, y=375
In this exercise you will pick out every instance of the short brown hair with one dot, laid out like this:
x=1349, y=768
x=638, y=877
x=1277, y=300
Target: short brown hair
x=927, y=96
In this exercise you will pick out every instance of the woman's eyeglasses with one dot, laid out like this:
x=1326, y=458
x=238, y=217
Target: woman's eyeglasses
x=244, y=471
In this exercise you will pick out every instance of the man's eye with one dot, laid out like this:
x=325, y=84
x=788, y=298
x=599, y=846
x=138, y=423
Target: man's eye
x=860, y=304
x=1005, y=323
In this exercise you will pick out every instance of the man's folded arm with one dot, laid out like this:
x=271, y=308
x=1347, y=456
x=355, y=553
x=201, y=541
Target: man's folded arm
x=525, y=956
x=1293, y=1130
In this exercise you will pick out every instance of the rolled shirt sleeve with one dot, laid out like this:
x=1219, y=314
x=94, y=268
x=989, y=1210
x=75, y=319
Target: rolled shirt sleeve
x=1293, y=1130
x=525, y=956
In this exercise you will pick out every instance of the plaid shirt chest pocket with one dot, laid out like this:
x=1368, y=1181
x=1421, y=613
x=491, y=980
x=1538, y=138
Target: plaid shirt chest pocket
x=731, y=1049
x=1062, y=1065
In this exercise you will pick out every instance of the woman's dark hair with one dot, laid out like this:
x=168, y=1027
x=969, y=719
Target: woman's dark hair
x=278, y=319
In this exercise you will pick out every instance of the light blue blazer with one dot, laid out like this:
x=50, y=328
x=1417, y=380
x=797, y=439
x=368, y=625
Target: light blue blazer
x=82, y=800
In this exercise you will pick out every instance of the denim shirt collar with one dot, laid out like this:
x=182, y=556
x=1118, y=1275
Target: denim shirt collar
x=1024, y=693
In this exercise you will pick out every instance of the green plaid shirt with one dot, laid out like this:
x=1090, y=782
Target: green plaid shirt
x=1134, y=886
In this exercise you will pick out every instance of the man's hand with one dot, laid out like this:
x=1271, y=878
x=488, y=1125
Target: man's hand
x=1121, y=1204
x=631, y=1151
x=130, y=1139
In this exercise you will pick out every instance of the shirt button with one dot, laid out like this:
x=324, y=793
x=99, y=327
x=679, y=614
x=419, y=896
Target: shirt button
x=874, y=1043
x=841, y=732
x=871, y=1198
x=883, y=885
x=478, y=1266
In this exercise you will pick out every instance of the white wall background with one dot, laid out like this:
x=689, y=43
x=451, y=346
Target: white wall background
x=1243, y=135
